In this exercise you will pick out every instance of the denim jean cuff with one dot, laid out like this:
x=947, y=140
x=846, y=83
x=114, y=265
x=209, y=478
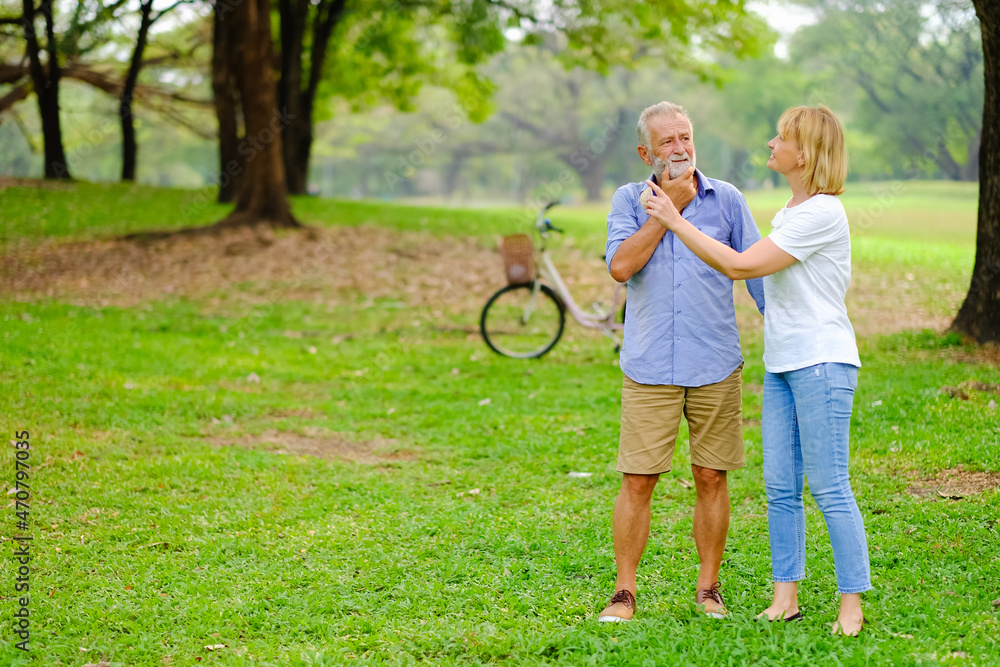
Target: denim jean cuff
x=788, y=580
x=858, y=589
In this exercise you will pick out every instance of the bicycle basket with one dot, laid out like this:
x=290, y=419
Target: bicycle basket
x=518, y=258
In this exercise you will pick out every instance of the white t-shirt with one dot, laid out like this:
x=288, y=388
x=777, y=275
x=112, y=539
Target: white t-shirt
x=805, y=319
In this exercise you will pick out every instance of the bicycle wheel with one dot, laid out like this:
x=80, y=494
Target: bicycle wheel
x=521, y=323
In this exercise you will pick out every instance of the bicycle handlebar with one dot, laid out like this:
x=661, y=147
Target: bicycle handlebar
x=543, y=224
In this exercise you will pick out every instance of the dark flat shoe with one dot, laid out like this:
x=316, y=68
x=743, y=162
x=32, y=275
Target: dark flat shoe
x=797, y=616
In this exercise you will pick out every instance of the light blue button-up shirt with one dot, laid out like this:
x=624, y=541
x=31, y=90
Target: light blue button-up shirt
x=680, y=323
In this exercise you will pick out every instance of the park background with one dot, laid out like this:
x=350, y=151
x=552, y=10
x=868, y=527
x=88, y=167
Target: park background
x=266, y=430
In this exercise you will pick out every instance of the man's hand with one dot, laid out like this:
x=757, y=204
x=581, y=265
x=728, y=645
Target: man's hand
x=681, y=190
x=660, y=207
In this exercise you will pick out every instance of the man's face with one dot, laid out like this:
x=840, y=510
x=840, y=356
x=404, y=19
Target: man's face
x=671, y=147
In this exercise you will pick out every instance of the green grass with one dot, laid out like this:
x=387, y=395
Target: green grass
x=938, y=212
x=152, y=540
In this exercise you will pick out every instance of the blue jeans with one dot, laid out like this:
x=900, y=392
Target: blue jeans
x=806, y=429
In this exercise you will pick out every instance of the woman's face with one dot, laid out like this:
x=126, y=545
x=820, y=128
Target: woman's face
x=785, y=155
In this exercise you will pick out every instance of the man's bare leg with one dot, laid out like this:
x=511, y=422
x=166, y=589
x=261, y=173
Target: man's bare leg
x=630, y=528
x=711, y=523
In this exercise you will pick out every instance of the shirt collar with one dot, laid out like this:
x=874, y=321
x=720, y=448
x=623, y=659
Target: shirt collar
x=703, y=183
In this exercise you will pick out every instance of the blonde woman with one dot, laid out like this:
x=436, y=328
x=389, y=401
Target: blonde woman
x=810, y=356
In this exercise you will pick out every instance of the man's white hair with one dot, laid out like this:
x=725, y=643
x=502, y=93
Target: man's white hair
x=658, y=109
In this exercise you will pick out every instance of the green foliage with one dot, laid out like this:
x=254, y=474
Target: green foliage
x=675, y=33
x=156, y=538
x=385, y=53
x=918, y=70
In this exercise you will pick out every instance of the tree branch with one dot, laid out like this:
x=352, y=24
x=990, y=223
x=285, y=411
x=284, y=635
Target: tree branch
x=174, y=116
x=14, y=96
x=168, y=9
x=537, y=131
x=101, y=81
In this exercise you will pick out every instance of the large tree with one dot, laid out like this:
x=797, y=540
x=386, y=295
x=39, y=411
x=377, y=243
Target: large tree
x=298, y=84
x=45, y=79
x=79, y=51
x=262, y=197
x=979, y=316
x=367, y=51
x=147, y=17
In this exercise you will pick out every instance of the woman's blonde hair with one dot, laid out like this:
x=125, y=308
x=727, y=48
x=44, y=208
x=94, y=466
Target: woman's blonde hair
x=820, y=137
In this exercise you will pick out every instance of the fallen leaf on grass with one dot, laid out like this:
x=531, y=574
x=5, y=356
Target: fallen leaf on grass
x=956, y=392
x=470, y=492
x=686, y=484
x=154, y=544
x=580, y=474
x=951, y=495
x=485, y=401
x=901, y=635
x=996, y=603
x=103, y=663
x=958, y=654
x=253, y=377
x=215, y=647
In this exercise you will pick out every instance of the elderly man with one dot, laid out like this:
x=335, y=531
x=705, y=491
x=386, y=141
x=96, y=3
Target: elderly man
x=681, y=353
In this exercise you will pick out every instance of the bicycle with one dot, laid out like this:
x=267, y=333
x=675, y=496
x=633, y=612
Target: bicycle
x=525, y=319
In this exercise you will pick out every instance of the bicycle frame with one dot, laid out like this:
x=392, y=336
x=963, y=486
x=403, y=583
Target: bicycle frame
x=549, y=275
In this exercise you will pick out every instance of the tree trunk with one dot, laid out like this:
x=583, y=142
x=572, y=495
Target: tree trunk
x=453, y=173
x=295, y=101
x=128, y=92
x=593, y=179
x=979, y=316
x=46, y=88
x=262, y=197
x=740, y=168
x=225, y=97
x=294, y=15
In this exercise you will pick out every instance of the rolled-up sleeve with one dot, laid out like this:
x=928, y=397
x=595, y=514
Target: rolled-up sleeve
x=745, y=233
x=622, y=221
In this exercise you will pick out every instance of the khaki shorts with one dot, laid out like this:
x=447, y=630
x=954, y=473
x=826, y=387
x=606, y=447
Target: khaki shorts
x=651, y=414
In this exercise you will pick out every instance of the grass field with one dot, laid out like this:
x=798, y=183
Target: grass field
x=345, y=476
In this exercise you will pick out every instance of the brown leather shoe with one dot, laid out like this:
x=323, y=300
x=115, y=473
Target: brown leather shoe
x=711, y=593
x=621, y=608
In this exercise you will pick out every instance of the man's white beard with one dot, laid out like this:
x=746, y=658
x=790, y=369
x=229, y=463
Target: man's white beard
x=673, y=169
